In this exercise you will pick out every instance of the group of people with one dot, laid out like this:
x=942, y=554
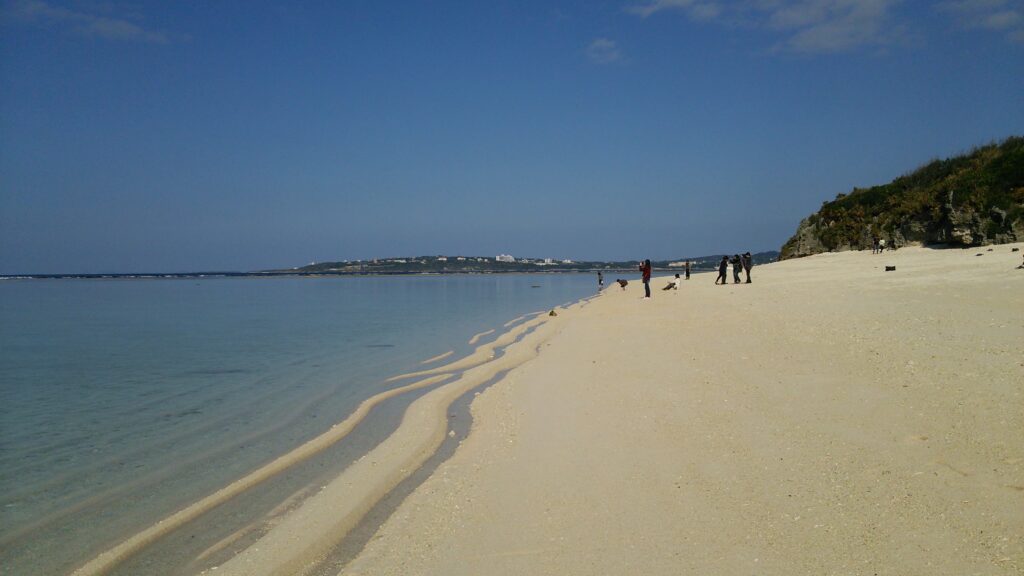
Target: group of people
x=645, y=272
x=744, y=262
x=878, y=245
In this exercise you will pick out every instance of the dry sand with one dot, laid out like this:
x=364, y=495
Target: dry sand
x=830, y=418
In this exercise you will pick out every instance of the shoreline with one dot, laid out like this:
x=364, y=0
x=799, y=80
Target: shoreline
x=195, y=427
x=307, y=537
x=829, y=418
x=125, y=552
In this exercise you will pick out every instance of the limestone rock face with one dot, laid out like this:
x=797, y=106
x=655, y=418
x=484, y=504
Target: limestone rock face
x=913, y=231
x=965, y=228
x=804, y=243
x=970, y=200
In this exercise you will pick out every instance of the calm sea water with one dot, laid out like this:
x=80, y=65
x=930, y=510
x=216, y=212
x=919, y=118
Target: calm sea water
x=122, y=400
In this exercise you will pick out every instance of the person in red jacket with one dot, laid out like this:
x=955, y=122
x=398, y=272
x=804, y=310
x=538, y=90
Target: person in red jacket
x=645, y=268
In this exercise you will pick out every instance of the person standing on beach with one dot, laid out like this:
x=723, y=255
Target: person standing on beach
x=600, y=280
x=645, y=269
x=723, y=268
x=735, y=268
x=748, y=263
x=687, y=269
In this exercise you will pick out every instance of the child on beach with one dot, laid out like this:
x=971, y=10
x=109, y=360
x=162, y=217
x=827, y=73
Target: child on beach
x=673, y=284
x=736, y=264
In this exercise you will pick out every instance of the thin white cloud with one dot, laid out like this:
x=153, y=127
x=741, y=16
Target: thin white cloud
x=841, y=25
x=106, y=26
x=604, y=51
x=1001, y=20
x=809, y=26
x=705, y=11
x=696, y=9
x=1006, y=16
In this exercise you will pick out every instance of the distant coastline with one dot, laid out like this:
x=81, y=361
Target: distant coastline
x=275, y=274
x=422, y=265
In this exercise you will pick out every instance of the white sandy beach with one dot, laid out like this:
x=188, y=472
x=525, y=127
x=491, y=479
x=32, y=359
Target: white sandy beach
x=830, y=418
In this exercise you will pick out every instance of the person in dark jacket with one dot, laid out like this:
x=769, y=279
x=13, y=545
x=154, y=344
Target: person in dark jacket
x=687, y=269
x=735, y=268
x=748, y=263
x=645, y=269
x=723, y=268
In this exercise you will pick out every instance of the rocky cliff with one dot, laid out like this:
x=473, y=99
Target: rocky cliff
x=968, y=200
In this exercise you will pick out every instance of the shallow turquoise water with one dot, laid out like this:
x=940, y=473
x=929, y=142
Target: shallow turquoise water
x=121, y=400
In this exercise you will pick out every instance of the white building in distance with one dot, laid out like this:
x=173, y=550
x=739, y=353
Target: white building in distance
x=504, y=258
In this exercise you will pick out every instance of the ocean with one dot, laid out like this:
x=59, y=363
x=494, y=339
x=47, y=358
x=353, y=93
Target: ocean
x=124, y=400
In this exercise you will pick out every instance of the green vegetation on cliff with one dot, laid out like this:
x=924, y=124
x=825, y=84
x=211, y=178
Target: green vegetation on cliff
x=968, y=200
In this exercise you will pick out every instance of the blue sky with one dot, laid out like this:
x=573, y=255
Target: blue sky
x=172, y=136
